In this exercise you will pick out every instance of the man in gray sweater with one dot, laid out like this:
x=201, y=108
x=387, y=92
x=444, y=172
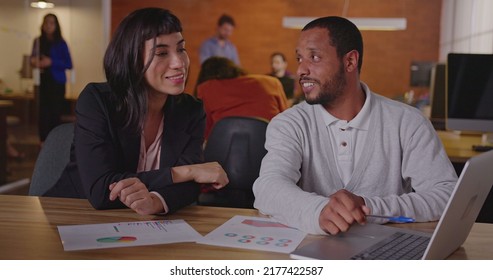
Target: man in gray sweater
x=347, y=152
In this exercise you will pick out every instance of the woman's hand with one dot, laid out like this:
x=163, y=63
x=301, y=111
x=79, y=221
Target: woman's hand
x=44, y=62
x=41, y=62
x=135, y=195
x=206, y=173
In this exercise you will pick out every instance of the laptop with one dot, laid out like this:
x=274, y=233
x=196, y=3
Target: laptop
x=361, y=241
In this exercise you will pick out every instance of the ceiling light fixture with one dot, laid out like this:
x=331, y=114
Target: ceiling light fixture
x=42, y=5
x=379, y=24
x=363, y=23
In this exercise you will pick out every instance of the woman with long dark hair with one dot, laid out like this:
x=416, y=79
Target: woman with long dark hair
x=138, y=137
x=51, y=56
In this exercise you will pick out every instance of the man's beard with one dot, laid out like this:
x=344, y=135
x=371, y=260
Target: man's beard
x=331, y=90
x=222, y=37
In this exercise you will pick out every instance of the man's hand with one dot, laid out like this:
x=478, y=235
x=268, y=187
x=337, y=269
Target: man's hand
x=343, y=209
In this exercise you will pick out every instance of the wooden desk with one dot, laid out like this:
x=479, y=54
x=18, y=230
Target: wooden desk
x=17, y=96
x=4, y=105
x=459, y=146
x=459, y=149
x=24, y=106
x=28, y=230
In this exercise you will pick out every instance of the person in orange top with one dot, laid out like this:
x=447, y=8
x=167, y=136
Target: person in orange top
x=227, y=90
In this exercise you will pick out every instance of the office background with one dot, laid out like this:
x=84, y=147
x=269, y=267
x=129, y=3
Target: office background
x=434, y=28
x=83, y=27
x=259, y=32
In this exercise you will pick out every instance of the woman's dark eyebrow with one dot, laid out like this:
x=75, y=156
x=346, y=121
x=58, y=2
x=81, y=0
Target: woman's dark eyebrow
x=166, y=46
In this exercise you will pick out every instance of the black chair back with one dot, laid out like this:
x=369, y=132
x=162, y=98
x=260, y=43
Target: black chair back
x=52, y=159
x=237, y=143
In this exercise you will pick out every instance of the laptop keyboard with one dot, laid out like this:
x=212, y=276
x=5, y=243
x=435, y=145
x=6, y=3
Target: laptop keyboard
x=398, y=246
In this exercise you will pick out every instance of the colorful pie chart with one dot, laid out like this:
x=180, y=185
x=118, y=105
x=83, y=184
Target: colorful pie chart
x=116, y=239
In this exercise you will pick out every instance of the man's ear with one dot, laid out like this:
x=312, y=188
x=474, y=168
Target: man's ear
x=351, y=61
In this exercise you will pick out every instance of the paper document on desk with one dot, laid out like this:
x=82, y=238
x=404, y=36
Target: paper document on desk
x=126, y=234
x=255, y=233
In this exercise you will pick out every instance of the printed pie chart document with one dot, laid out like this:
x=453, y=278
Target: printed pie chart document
x=126, y=234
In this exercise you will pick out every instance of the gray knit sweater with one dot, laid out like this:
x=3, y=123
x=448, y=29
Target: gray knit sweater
x=403, y=169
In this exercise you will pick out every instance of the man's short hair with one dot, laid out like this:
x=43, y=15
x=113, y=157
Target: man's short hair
x=343, y=34
x=226, y=19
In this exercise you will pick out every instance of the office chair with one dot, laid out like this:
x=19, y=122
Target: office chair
x=237, y=143
x=52, y=159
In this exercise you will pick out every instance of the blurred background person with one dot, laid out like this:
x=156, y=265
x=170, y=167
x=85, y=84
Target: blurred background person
x=51, y=55
x=279, y=70
x=219, y=44
x=227, y=90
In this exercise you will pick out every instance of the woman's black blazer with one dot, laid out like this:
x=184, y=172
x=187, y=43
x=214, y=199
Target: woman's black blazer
x=104, y=152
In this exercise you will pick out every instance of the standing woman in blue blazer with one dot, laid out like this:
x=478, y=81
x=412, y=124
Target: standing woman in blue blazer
x=51, y=56
x=138, y=137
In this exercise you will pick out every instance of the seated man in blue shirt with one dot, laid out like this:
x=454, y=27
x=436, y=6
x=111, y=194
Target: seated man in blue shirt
x=220, y=45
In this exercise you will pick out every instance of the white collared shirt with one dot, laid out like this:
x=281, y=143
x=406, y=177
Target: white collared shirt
x=347, y=138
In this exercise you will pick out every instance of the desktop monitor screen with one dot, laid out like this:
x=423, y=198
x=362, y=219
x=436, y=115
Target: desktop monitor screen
x=470, y=92
x=437, y=95
x=421, y=73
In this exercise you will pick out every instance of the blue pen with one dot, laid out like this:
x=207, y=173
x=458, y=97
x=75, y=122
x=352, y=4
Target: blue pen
x=395, y=219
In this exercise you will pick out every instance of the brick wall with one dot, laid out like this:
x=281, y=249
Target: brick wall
x=259, y=32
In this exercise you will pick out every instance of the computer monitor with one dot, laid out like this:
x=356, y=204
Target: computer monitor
x=421, y=73
x=470, y=93
x=437, y=96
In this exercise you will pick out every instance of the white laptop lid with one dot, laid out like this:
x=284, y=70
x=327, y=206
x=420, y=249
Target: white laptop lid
x=463, y=207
